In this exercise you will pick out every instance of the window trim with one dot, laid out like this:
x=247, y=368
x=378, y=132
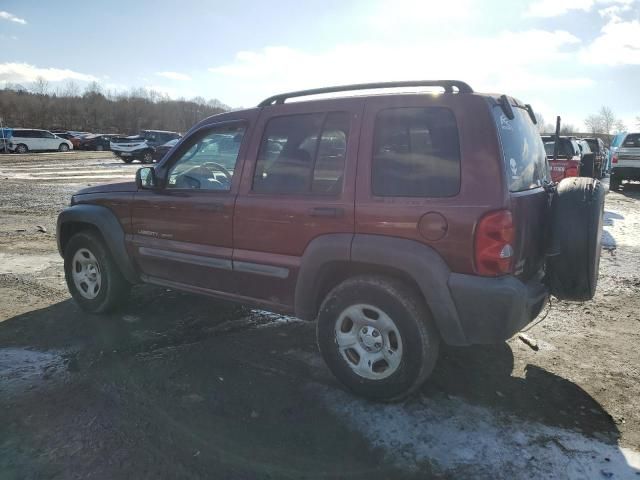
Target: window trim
x=309, y=193
x=373, y=138
x=180, y=149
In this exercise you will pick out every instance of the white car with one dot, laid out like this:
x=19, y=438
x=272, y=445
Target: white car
x=24, y=139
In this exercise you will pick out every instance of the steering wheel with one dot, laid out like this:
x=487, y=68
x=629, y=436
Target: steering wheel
x=220, y=168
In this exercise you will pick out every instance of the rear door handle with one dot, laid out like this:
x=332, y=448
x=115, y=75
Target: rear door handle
x=327, y=212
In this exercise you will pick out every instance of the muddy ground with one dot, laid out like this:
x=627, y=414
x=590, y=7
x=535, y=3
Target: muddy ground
x=178, y=386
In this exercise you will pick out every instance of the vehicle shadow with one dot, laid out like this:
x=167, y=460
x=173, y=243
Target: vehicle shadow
x=631, y=190
x=173, y=378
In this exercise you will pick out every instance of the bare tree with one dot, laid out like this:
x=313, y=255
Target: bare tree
x=567, y=129
x=607, y=118
x=40, y=86
x=594, y=124
x=619, y=126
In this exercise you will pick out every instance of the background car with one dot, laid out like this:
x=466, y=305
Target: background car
x=26, y=139
x=598, y=147
x=587, y=160
x=161, y=150
x=567, y=163
x=141, y=146
x=97, y=142
x=625, y=162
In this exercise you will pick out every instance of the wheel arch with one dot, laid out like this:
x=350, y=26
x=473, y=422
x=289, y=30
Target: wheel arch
x=102, y=222
x=331, y=259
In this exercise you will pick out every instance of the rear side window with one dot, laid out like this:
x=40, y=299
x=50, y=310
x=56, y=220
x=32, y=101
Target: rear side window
x=416, y=153
x=302, y=154
x=524, y=155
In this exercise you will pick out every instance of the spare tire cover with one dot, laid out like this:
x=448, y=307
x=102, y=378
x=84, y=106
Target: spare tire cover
x=577, y=210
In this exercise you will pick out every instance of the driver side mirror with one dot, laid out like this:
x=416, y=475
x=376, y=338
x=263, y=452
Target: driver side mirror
x=146, y=178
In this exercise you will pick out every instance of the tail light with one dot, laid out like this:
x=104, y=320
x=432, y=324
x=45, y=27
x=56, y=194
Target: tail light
x=614, y=159
x=493, y=244
x=571, y=172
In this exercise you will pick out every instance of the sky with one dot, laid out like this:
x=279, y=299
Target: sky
x=565, y=57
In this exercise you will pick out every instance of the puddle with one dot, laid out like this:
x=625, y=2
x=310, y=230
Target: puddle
x=457, y=438
x=22, y=369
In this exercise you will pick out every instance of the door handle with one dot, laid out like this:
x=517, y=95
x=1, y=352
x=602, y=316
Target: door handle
x=327, y=212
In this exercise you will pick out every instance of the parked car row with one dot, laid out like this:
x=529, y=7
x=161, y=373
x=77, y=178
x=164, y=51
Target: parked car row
x=575, y=157
x=143, y=146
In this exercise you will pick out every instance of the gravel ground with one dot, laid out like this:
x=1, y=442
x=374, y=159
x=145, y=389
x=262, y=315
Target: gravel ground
x=177, y=386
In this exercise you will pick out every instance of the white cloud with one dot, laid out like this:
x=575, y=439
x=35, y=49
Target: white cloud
x=618, y=44
x=486, y=63
x=554, y=8
x=12, y=18
x=174, y=76
x=23, y=72
x=399, y=13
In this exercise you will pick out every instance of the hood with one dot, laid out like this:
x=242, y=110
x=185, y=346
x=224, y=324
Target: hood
x=109, y=187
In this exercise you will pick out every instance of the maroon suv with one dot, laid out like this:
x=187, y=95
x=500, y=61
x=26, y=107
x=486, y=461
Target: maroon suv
x=395, y=221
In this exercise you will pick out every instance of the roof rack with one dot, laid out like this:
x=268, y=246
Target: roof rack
x=448, y=86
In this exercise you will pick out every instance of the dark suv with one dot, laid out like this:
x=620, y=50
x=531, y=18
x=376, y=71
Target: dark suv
x=396, y=221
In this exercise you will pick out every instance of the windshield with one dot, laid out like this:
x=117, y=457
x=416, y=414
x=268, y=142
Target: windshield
x=524, y=155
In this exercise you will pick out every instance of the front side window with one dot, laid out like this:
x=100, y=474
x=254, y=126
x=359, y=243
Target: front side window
x=416, y=153
x=209, y=161
x=302, y=154
x=525, y=159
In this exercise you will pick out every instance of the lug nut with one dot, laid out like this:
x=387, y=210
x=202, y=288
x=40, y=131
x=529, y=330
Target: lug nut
x=364, y=330
x=375, y=333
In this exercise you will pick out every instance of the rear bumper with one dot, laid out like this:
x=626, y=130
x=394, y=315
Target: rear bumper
x=491, y=310
x=626, y=173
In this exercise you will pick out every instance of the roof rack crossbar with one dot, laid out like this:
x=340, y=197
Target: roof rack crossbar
x=448, y=86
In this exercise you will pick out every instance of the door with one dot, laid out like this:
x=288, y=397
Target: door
x=182, y=230
x=298, y=187
x=49, y=141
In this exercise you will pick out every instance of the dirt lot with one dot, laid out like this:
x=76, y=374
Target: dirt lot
x=177, y=386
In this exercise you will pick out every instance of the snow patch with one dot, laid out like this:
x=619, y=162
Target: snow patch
x=455, y=437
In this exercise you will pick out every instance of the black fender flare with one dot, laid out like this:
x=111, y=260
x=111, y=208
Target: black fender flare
x=109, y=227
x=417, y=260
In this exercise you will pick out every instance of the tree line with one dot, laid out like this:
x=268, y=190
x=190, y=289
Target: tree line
x=603, y=124
x=95, y=109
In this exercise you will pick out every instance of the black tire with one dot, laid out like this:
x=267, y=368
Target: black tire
x=577, y=211
x=419, y=338
x=21, y=148
x=588, y=165
x=63, y=147
x=114, y=288
x=126, y=159
x=614, y=183
x=147, y=157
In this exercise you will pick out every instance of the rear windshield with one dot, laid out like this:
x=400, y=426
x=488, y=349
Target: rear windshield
x=565, y=148
x=525, y=158
x=632, y=140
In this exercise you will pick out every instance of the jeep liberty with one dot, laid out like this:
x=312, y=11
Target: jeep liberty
x=395, y=220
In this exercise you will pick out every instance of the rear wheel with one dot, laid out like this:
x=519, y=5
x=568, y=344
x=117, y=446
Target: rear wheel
x=21, y=148
x=63, y=147
x=93, y=278
x=376, y=336
x=614, y=183
x=126, y=159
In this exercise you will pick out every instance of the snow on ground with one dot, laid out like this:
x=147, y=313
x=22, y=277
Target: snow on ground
x=455, y=437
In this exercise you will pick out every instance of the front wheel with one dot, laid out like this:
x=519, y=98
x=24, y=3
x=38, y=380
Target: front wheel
x=22, y=148
x=93, y=278
x=126, y=159
x=63, y=147
x=376, y=336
